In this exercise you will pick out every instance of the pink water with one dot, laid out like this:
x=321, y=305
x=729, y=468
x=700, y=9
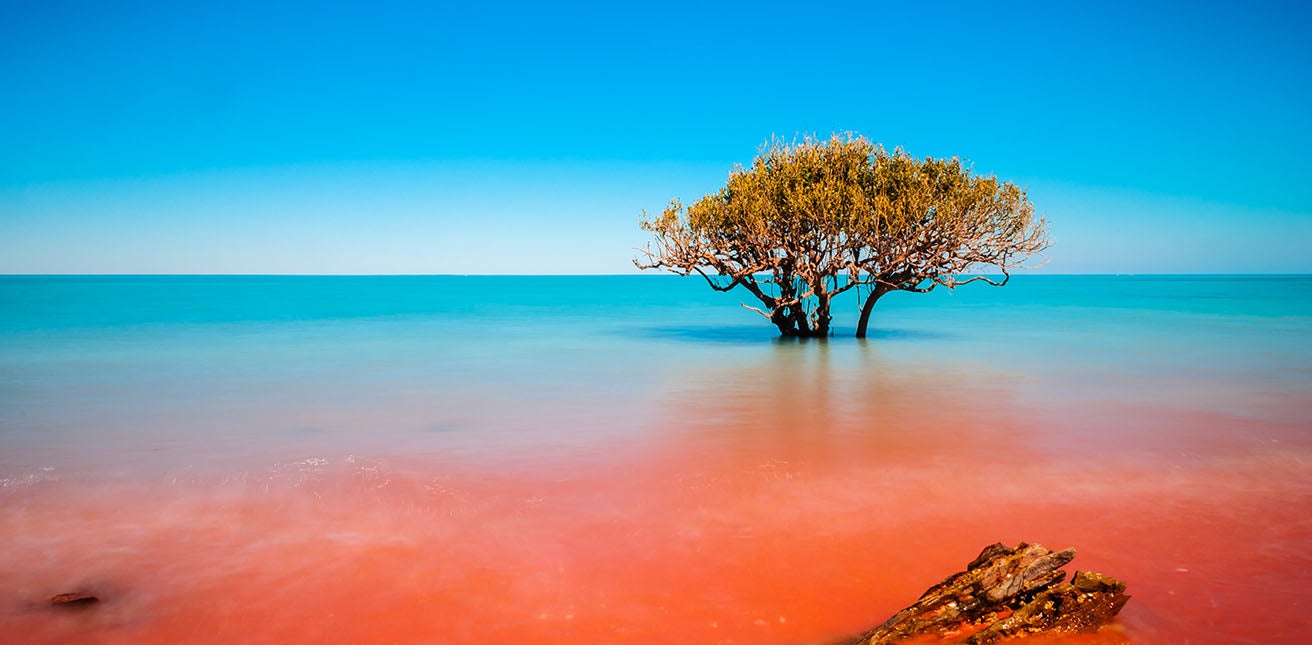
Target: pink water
x=760, y=515
x=628, y=460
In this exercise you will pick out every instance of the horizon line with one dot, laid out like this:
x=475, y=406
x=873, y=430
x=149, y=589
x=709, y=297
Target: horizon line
x=581, y=275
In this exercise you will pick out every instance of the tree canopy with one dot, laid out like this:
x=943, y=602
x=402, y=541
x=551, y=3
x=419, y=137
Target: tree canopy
x=809, y=221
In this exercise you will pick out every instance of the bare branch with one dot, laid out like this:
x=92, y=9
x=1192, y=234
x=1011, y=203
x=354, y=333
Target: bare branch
x=751, y=308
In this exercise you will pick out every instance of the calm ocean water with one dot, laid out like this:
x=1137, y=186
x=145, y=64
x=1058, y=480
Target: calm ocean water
x=637, y=458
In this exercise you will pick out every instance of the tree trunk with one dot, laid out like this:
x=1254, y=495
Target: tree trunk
x=793, y=322
x=788, y=321
x=864, y=322
x=785, y=323
x=799, y=320
x=822, y=317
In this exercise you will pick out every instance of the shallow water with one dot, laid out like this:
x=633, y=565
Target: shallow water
x=637, y=459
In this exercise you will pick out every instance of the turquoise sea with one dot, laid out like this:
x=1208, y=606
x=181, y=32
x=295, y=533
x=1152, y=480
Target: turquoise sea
x=637, y=458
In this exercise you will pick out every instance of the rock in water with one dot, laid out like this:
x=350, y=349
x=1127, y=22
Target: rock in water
x=1004, y=593
x=73, y=599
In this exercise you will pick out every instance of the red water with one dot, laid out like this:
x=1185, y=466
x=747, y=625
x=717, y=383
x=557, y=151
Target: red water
x=757, y=516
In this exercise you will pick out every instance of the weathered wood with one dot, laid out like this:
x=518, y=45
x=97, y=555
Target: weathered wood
x=1004, y=593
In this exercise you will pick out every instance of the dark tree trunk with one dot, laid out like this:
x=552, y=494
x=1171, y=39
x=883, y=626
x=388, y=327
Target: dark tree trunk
x=793, y=322
x=799, y=320
x=785, y=326
x=864, y=322
x=822, y=317
x=784, y=320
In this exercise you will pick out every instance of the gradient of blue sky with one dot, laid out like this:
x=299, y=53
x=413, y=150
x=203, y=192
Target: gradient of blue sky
x=298, y=137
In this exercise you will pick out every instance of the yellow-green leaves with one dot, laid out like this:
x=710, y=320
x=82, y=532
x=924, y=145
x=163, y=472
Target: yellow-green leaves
x=811, y=219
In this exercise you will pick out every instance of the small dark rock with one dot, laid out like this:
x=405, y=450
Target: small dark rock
x=73, y=599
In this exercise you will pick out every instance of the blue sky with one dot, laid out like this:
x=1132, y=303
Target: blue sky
x=296, y=137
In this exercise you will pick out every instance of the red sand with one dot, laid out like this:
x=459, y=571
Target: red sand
x=737, y=526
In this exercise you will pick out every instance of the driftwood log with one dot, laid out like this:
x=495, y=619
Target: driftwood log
x=1005, y=593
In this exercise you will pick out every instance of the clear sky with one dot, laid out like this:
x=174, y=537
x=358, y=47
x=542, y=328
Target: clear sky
x=483, y=137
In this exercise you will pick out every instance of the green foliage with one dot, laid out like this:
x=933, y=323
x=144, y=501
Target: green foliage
x=810, y=220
